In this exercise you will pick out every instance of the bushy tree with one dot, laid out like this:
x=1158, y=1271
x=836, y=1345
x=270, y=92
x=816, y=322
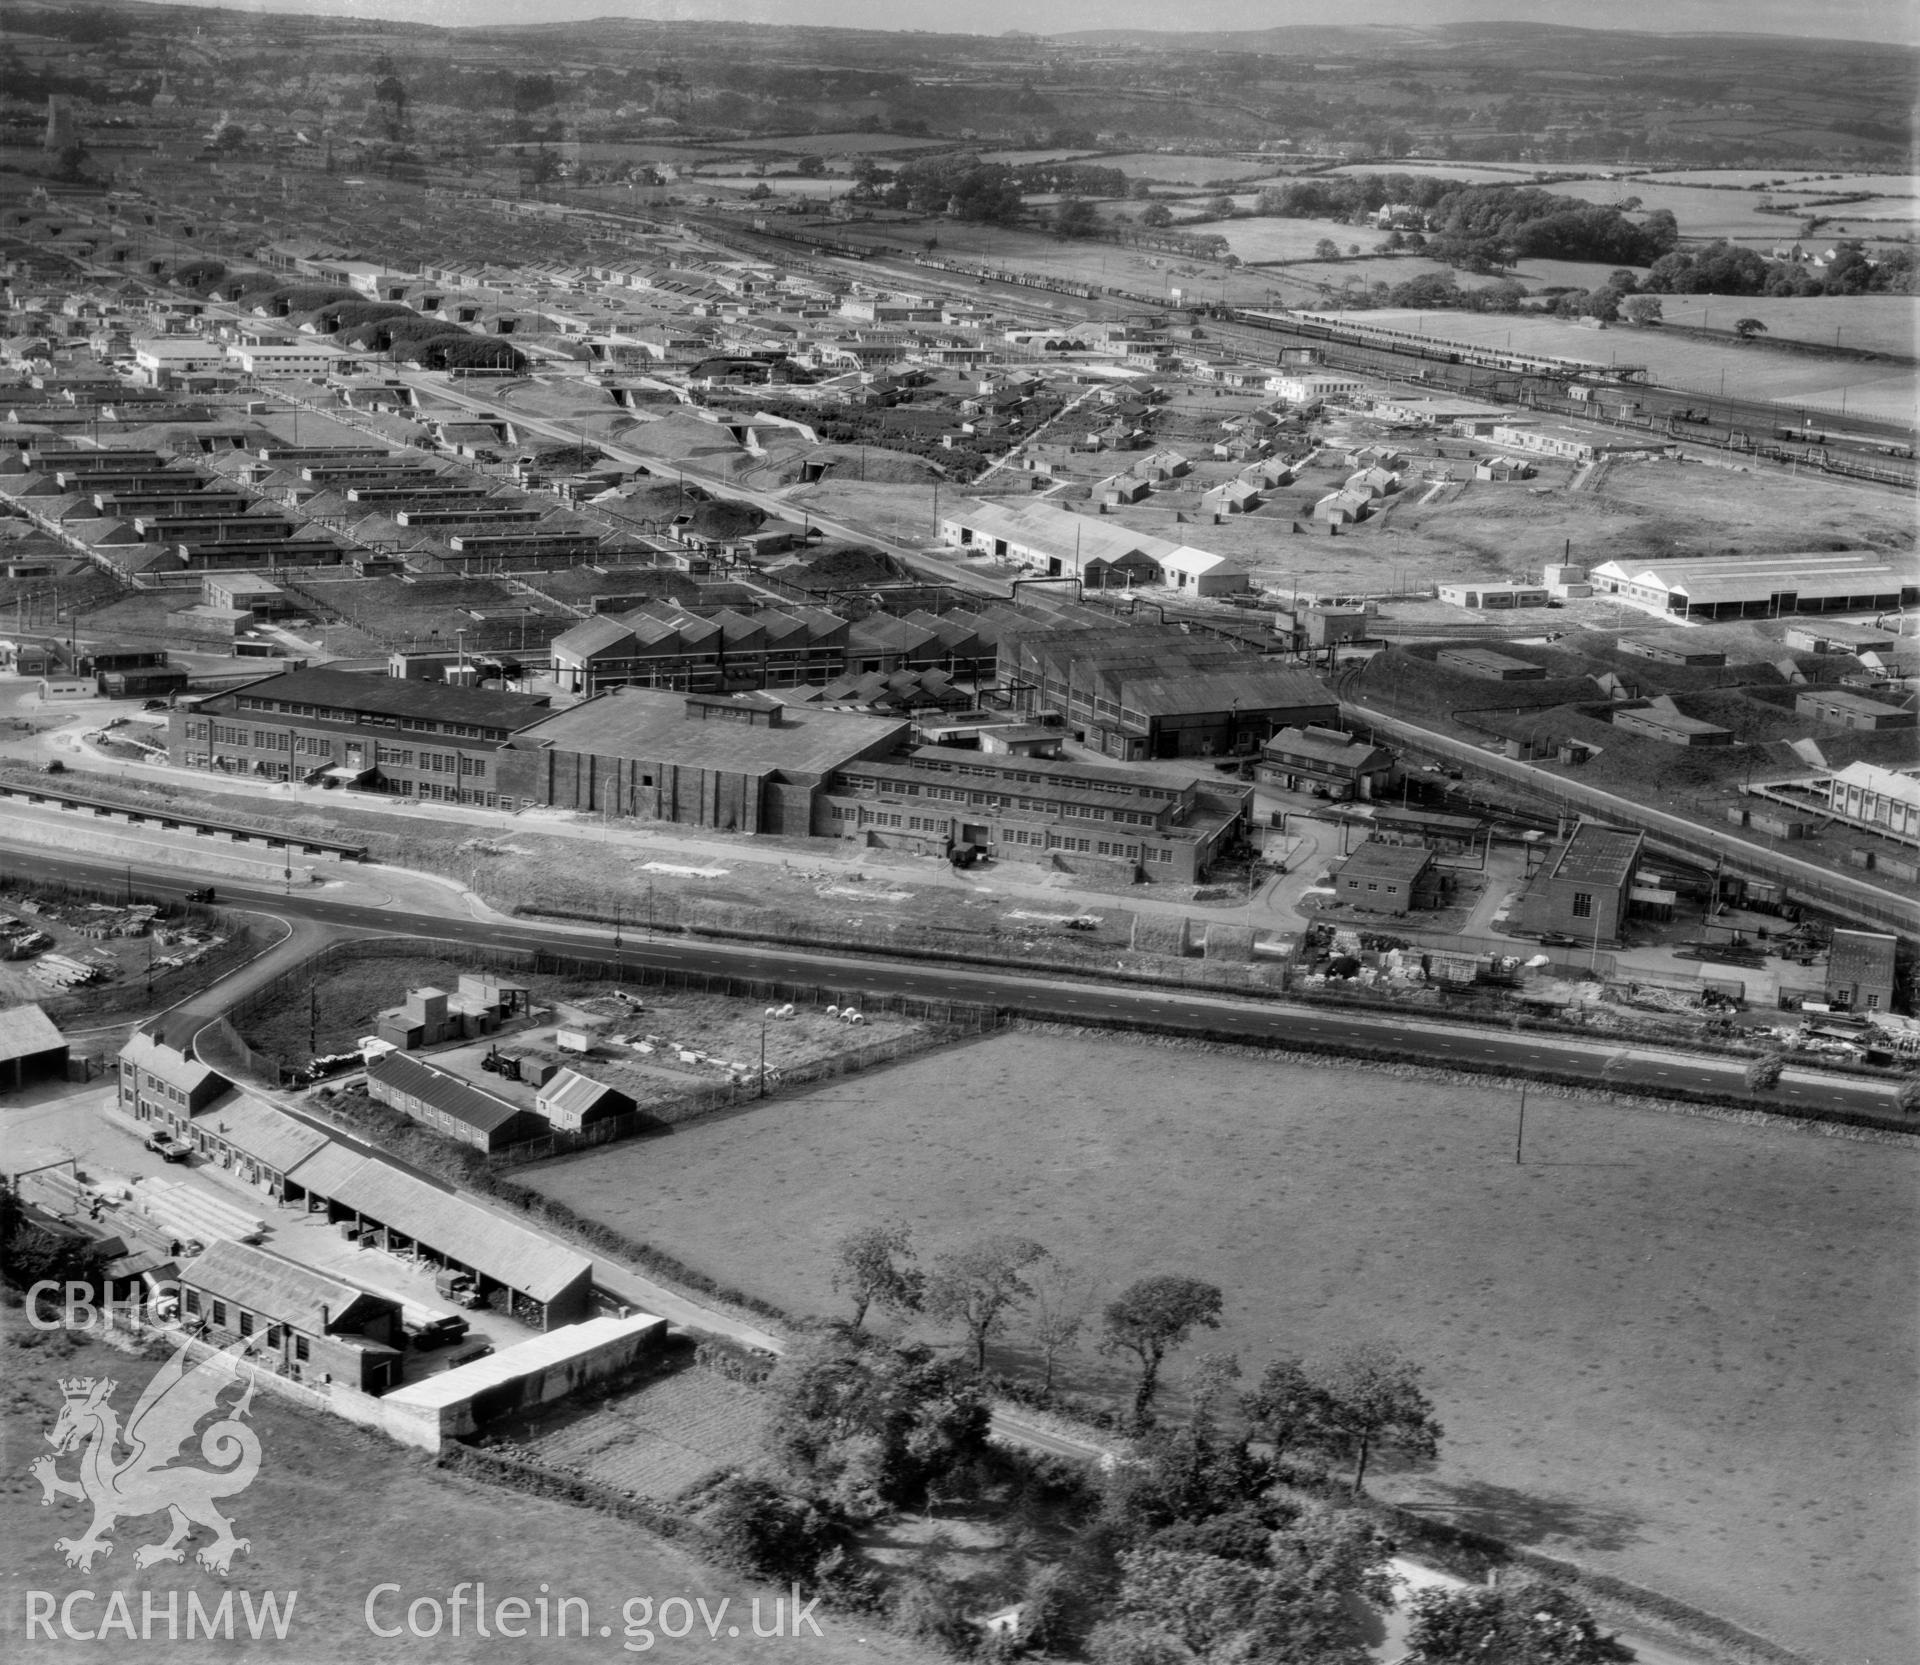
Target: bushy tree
x=979, y=1286
x=1372, y=1401
x=1763, y=1073
x=873, y=1266
x=868, y=1426
x=1155, y=215
x=1906, y=1097
x=766, y=1533
x=1533, y=1623
x=1152, y=1317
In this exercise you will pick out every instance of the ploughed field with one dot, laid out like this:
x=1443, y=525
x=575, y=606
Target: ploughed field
x=1674, y=1348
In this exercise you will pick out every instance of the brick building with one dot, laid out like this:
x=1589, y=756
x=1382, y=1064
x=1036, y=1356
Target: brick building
x=739, y=763
x=429, y=740
x=448, y=1105
x=1389, y=878
x=1034, y=809
x=1860, y=971
x=1584, y=889
x=303, y=1323
x=1327, y=758
x=1159, y=691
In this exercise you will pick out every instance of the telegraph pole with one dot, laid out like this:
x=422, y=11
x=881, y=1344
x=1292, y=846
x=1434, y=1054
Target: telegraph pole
x=1520, y=1132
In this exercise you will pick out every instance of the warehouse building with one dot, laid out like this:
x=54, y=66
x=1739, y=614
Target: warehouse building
x=1073, y=815
x=1096, y=549
x=737, y=763
x=1158, y=691
x=1754, y=586
x=430, y=740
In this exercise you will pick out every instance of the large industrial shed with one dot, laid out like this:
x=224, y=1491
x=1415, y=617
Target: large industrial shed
x=738, y=763
x=1153, y=691
x=1707, y=587
x=545, y=1285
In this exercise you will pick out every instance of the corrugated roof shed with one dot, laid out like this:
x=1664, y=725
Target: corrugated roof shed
x=463, y=1231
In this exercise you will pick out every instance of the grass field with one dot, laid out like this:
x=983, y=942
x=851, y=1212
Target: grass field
x=1873, y=323
x=1745, y=371
x=1183, y=170
x=832, y=144
x=335, y=1512
x=1678, y=1349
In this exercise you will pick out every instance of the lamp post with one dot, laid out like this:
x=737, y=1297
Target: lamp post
x=1520, y=1132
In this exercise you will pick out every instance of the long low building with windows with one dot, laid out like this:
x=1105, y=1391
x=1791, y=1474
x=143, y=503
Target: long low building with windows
x=1760, y=586
x=1099, y=551
x=431, y=740
x=1074, y=815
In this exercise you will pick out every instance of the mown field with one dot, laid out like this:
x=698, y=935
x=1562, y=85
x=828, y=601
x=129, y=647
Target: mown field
x=1678, y=1349
x=1743, y=371
x=1870, y=323
x=1183, y=170
x=334, y=1512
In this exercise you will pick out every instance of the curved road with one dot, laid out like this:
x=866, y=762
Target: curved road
x=1430, y=1041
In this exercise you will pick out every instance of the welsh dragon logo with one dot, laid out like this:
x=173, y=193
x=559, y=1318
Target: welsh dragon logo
x=131, y=1472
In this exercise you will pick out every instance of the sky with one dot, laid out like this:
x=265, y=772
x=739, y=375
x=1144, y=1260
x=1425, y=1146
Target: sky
x=1878, y=20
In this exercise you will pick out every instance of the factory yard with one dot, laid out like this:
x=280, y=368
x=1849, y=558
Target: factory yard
x=1662, y=1297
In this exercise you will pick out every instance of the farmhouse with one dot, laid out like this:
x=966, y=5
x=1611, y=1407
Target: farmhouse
x=1751, y=586
x=161, y=1084
x=738, y=763
x=302, y=1323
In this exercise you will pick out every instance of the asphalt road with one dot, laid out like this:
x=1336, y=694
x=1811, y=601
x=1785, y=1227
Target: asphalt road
x=1057, y=998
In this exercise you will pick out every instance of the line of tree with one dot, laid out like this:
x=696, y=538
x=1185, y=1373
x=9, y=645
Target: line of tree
x=1221, y=1538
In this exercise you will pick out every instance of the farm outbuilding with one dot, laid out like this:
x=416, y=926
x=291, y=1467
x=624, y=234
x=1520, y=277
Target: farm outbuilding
x=31, y=1048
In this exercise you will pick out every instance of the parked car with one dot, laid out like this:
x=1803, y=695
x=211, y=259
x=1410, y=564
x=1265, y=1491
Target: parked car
x=479, y=1349
x=169, y=1147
